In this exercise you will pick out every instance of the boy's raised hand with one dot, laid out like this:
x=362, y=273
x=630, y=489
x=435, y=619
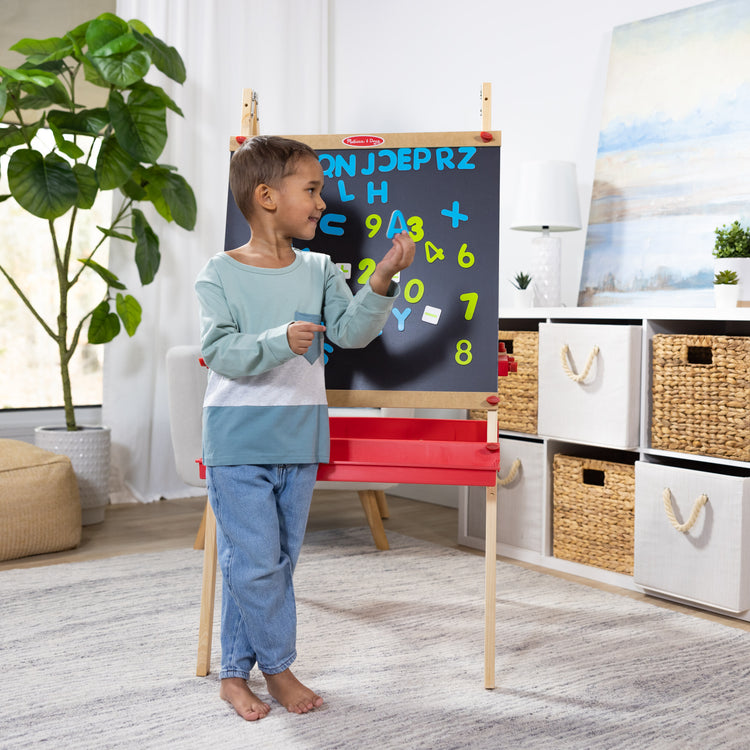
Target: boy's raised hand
x=399, y=257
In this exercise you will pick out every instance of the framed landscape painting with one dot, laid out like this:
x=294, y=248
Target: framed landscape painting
x=673, y=161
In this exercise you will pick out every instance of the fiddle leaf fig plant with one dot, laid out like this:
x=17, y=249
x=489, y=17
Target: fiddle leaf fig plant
x=113, y=147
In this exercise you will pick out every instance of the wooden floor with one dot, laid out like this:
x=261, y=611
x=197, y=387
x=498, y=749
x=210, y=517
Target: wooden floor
x=131, y=528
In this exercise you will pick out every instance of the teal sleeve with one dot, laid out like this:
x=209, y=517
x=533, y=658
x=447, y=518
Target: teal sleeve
x=224, y=348
x=353, y=321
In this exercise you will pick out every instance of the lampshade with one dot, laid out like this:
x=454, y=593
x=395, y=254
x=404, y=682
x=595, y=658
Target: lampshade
x=547, y=197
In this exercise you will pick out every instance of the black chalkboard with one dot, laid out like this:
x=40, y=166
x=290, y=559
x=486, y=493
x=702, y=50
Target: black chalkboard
x=444, y=189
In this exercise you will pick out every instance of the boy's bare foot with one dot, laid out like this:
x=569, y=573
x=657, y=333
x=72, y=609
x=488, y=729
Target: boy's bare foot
x=235, y=690
x=291, y=693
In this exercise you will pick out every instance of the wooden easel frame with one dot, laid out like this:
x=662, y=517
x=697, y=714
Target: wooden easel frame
x=378, y=399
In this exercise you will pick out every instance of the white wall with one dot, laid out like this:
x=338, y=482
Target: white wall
x=418, y=65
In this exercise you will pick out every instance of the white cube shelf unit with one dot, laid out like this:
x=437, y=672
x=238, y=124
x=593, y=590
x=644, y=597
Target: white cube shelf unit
x=525, y=533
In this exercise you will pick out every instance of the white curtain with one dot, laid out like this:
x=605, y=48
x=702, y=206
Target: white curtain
x=279, y=49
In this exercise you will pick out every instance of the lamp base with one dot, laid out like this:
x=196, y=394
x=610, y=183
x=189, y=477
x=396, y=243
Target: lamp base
x=545, y=270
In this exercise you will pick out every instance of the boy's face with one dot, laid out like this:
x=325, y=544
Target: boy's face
x=299, y=205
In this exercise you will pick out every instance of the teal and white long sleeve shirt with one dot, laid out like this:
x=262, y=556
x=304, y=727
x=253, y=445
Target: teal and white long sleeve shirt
x=264, y=404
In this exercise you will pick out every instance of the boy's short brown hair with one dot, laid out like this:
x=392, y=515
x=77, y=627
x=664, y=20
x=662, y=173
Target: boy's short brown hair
x=263, y=160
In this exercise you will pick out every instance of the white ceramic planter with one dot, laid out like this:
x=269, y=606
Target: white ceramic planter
x=741, y=266
x=523, y=297
x=88, y=449
x=726, y=295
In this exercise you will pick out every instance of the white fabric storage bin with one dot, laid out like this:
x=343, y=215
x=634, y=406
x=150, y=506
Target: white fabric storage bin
x=708, y=563
x=520, y=497
x=589, y=383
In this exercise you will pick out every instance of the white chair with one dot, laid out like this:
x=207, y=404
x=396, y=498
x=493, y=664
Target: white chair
x=186, y=385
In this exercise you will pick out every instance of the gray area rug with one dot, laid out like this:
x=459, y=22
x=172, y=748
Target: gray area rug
x=102, y=655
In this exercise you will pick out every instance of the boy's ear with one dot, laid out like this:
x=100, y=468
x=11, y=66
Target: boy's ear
x=265, y=197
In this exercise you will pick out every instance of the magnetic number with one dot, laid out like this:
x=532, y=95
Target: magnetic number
x=463, y=352
x=465, y=258
x=433, y=253
x=414, y=296
x=470, y=298
x=373, y=222
x=416, y=228
x=367, y=266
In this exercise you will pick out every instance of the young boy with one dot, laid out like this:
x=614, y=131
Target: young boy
x=265, y=419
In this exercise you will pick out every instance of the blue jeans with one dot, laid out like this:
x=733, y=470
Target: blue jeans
x=261, y=514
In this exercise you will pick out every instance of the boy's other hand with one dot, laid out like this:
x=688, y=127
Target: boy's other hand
x=300, y=335
x=399, y=257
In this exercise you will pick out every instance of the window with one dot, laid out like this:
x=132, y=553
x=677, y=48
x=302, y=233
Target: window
x=28, y=356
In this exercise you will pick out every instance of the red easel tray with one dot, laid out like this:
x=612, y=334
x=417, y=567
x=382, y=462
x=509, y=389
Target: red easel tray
x=411, y=451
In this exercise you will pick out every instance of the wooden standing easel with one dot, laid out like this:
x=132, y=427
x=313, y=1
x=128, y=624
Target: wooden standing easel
x=206, y=539
x=408, y=473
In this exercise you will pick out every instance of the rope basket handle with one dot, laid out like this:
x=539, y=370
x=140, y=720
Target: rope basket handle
x=511, y=475
x=694, y=513
x=566, y=367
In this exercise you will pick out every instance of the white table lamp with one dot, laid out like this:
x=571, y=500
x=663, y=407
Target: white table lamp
x=547, y=202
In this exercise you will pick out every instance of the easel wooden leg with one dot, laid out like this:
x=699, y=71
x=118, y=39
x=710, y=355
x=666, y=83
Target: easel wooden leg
x=490, y=585
x=200, y=537
x=370, y=504
x=208, y=595
x=382, y=504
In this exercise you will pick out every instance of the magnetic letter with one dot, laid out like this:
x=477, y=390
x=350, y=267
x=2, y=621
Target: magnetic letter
x=401, y=316
x=328, y=220
x=372, y=192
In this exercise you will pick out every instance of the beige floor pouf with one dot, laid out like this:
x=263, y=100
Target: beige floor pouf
x=40, y=509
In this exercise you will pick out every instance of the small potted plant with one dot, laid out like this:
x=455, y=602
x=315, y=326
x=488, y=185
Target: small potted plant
x=524, y=294
x=732, y=253
x=726, y=288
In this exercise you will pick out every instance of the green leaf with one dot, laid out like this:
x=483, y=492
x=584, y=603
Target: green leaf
x=68, y=148
x=109, y=278
x=85, y=122
x=122, y=70
x=43, y=50
x=179, y=197
x=44, y=185
x=154, y=180
x=133, y=190
x=103, y=30
x=32, y=75
x=166, y=100
x=117, y=46
x=167, y=59
x=104, y=325
x=12, y=135
x=129, y=311
x=140, y=125
x=91, y=73
x=77, y=38
x=114, y=165
x=3, y=98
x=117, y=235
x=147, y=256
x=40, y=97
x=88, y=185
x=138, y=25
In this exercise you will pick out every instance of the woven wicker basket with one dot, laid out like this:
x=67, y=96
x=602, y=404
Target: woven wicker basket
x=701, y=395
x=593, y=512
x=517, y=409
